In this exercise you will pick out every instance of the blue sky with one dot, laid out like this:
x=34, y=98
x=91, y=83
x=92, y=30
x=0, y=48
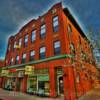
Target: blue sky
x=15, y=13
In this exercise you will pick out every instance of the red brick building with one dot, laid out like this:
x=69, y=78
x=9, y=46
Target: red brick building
x=50, y=56
x=1, y=66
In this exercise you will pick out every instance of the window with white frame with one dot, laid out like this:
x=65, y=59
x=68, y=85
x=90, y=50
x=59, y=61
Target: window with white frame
x=55, y=24
x=42, y=52
x=20, y=42
x=24, y=58
x=32, y=54
x=33, y=36
x=57, y=47
x=17, y=59
x=26, y=41
x=43, y=31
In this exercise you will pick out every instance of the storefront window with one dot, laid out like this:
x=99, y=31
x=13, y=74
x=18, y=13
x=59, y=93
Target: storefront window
x=32, y=85
x=43, y=85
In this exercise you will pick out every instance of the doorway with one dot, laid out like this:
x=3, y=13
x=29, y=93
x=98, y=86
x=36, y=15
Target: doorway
x=19, y=84
x=60, y=85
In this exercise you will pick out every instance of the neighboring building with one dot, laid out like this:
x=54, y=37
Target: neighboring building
x=2, y=63
x=51, y=56
x=97, y=56
x=1, y=66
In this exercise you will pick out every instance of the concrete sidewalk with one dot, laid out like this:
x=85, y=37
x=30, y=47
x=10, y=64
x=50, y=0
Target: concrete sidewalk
x=92, y=95
x=11, y=95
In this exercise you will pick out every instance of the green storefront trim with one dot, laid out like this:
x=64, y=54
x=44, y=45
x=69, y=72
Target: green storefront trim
x=43, y=78
x=39, y=61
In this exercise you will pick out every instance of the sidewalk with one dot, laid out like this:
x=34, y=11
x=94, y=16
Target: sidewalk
x=11, y=95
x=92, y=95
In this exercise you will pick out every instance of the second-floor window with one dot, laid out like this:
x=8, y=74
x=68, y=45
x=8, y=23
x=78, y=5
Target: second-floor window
x=55, y=24
x=42, y=52
x=43, y=31
x=24, y=58
x=11, y=61
x=26, y=41
x=17, y=59
x=32, y=54
x=33, y=36
x=57, y=47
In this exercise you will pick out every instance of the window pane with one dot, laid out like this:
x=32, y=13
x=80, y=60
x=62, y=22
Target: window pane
x=55, y=23
x=55, y=18
x=20, y=42
x=33, y=35
x=12, y=59
x=42, y=49
x=57, y=44
x=32, y=53
x=17, y=57
x=57, y=48
x=43, y=31
x=15, y=45
x=26, y=38
x=42, y=55
x=42, y=52
x=24, y=55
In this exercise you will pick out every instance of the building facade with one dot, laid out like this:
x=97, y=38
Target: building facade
x=50, y=56
x=2, y=63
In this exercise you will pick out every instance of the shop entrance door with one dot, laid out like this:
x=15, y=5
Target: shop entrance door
x=61, y=87
x=19, y=84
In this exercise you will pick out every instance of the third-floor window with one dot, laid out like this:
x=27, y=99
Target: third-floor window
x=43, y=31
x=55, y=24
x=20, y=42
x=26, y=41
x=33, y=36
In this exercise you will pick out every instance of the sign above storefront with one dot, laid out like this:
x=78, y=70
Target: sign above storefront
x=4, y=72
x=21, y=74
x=29, y=70
x=12, y=70
x=43, y=78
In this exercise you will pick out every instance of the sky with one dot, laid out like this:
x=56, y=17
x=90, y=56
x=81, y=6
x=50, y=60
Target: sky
x=16, y=13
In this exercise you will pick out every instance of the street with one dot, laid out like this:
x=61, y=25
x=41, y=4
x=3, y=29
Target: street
x=10, y=95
